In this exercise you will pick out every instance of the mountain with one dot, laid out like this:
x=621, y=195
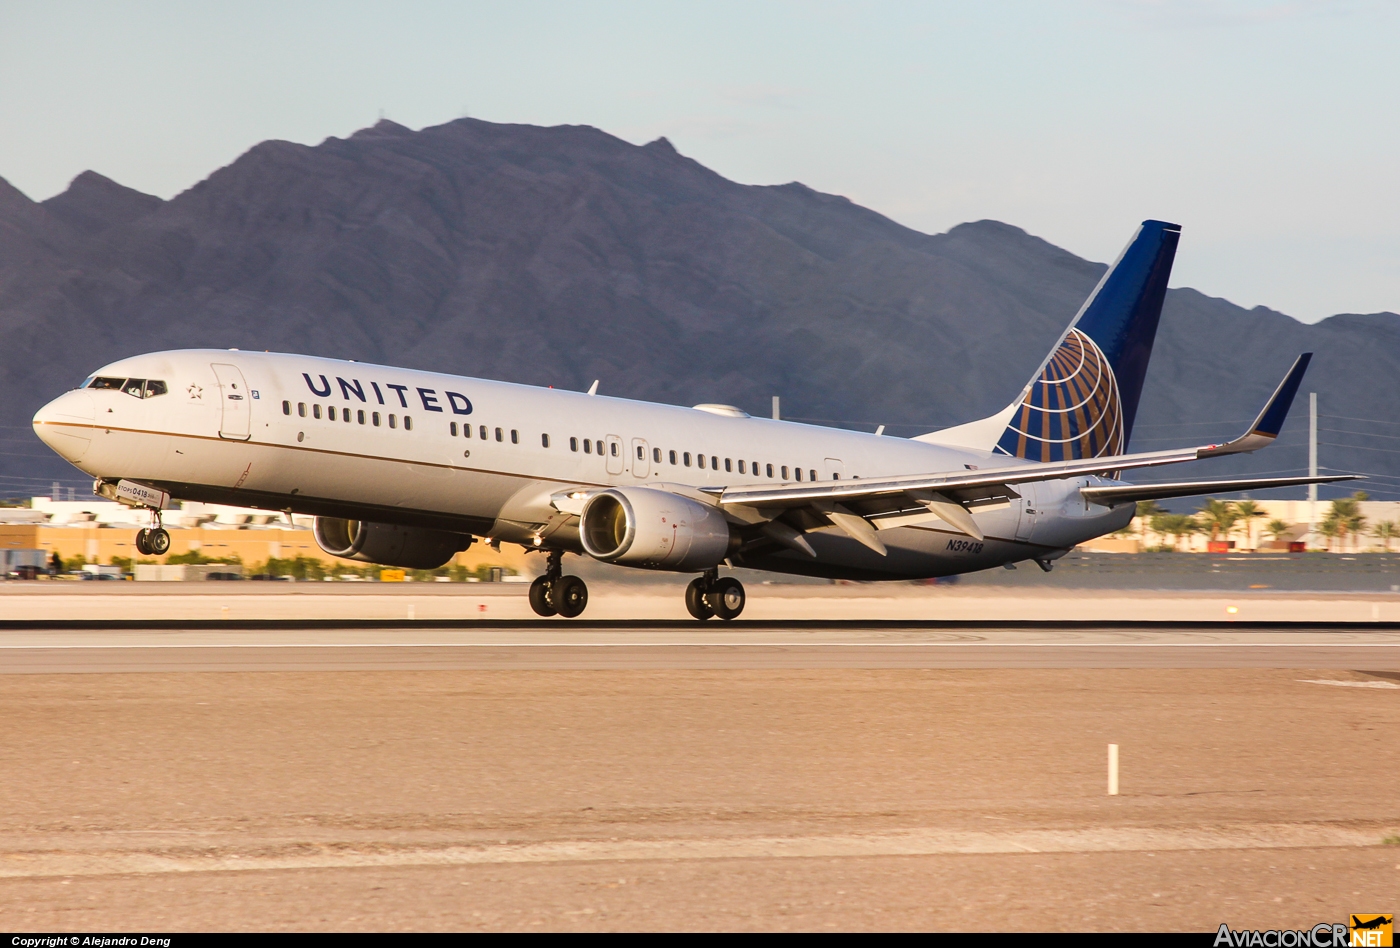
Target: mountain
x=555, y=256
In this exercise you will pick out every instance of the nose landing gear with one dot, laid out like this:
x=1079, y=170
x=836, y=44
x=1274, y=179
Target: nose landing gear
x=709, y=596
x=554, y=594
x=154, y=540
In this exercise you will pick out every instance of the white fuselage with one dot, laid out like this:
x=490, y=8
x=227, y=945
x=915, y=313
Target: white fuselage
x=289, y=432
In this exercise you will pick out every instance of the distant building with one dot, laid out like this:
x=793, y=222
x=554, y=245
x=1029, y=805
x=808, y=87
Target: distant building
x=100, y=530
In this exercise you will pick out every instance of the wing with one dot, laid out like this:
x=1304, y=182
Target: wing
x=949, y=495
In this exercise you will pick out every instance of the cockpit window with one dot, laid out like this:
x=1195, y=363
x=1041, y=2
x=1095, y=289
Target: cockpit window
x=137, y=388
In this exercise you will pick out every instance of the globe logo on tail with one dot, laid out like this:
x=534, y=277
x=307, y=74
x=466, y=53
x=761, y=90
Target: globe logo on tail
x=1072, y=411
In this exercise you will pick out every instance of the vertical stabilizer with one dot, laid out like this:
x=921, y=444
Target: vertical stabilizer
x=1082, y=400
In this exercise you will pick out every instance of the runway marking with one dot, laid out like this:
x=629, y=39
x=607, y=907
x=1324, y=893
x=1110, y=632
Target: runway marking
x=923, y=842
x=1348, y=684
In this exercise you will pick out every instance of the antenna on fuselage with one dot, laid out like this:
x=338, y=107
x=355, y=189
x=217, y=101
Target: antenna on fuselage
x=593, y=389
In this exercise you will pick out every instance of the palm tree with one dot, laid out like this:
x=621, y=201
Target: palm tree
x=1175, y=526
x=1248, y=510
x=1384, y=530
x=1330, y=528
x=1276, y=529
x=1346, y=516
x=1218, y=516
x=1147, y=511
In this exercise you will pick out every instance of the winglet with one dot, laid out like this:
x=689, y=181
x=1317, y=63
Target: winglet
x=1270, y=421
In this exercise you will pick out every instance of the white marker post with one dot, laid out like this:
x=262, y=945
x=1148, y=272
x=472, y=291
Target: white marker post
x=1113, y=770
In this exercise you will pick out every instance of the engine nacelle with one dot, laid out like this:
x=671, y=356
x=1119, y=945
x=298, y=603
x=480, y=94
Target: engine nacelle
x=387, y=544
x=653, y=529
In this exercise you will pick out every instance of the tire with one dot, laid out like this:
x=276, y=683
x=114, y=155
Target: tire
x=695, y=602
x=158, y=541
x=539, y=597
x=143, y=545
x=726, y=598
x=570, y=596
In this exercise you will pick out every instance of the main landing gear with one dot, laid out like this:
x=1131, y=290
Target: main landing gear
x=553, y=594
x=711, y=596
x=154, y=540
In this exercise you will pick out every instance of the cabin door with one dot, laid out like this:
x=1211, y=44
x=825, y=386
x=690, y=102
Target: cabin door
x=615, y=458
x=641, y=458
x=234, y=402
x=1025, y=525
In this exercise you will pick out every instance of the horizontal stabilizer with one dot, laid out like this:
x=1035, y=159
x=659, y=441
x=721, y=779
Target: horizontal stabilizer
x=1131, y=493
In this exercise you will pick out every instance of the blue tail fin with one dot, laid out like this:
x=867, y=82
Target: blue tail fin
x=1082, y=402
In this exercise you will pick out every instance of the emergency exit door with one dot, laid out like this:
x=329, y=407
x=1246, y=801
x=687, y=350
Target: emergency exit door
x=234, y=422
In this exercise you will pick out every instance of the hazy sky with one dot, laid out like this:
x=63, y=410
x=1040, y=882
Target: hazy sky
x=1268, y=129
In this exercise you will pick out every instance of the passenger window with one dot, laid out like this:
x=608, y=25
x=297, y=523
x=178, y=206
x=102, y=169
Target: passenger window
x=393, y=421
x=835, y=476
x=673, y=457
x=613, y=449
x=360, y=416
x=481, y=430
x=514, y=436
x=286, y=408
x=345, y=415
x=454, y=429
x=111, y=384
x=135, y=387
x=785, y=472
x=686, y=457
x=714, y=462
x=755, y=469
x=812, y=475
x=770, y=470
x=154, y=388
x=741, y=466
x=500, y=435
x=656, y=455
x=728, y=465
x=407, y=423
x=544, y=440
x=599, y=446
x=573, y=444
x=799, y=473
x=301, y=409
x=587, y=446
x=316, y=411
x=700, y=460
x=466, y=431
x=641, y=453
x=375, y=416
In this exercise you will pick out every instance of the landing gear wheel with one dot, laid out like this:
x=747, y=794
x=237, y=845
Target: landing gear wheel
x=570, y=596
x=158, y=541
x=143, y=542
x=726, y=598
x=539, y=597
x=695, y=602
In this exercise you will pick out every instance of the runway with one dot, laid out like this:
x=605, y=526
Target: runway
x=308, y=646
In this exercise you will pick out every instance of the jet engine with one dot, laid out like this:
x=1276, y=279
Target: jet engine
x=388, y=544
x=653, y=529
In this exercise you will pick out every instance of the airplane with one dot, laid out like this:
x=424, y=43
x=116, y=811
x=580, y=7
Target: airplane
x=407, y=468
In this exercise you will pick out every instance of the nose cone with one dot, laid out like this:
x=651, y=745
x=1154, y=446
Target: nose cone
x=65, y=424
